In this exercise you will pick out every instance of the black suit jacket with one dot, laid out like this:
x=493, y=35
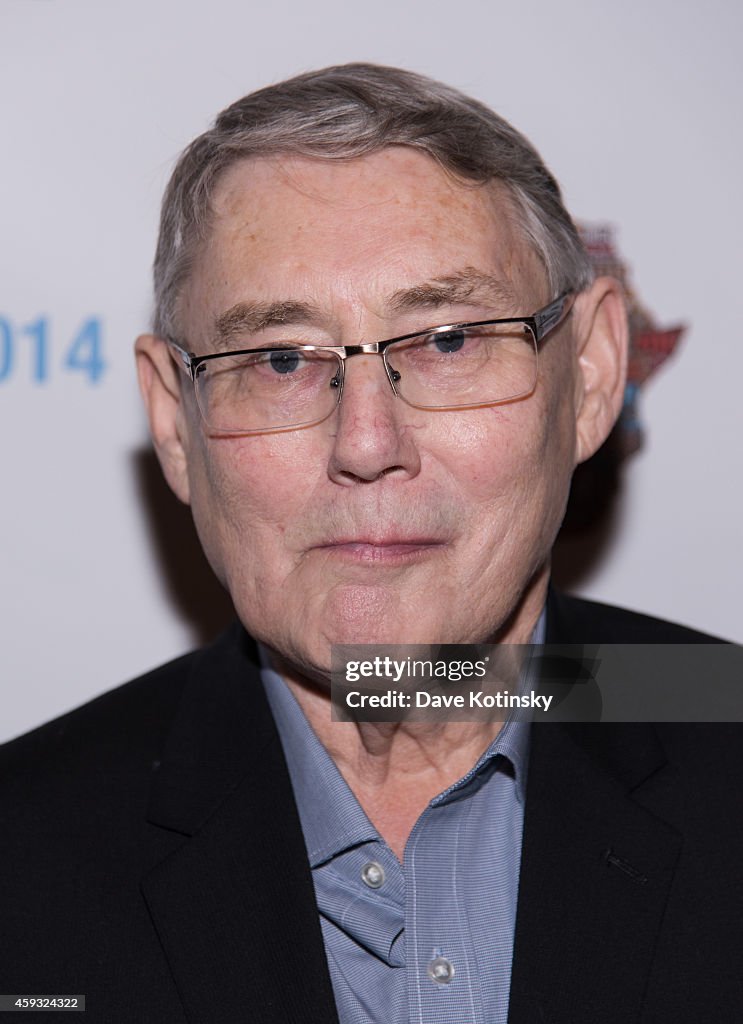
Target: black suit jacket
x=152, y=859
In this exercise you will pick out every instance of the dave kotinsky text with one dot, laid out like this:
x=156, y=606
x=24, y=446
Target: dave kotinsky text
x=355, y=700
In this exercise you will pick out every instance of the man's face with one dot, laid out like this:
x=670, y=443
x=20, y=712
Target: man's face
x=384, y=523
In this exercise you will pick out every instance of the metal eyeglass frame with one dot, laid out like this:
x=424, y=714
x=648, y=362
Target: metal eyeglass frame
x=540, y=324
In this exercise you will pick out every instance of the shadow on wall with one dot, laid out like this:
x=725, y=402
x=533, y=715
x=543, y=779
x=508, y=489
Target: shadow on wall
x=194, y=590
x=591, y=519
x=198, y=597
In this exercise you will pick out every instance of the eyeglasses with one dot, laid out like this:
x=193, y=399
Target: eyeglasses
x=257, y=389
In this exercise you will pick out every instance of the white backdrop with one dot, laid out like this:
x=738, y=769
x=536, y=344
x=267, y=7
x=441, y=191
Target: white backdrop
x=636, y=108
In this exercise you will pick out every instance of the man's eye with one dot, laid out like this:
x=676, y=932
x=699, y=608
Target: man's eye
x=451, y=341
x=284, y=361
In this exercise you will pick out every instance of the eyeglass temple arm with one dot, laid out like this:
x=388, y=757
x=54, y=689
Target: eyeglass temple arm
x=549, y=317
x=181, y=356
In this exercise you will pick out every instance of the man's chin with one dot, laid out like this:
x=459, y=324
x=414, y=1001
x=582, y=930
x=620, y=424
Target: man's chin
x=313, y=661
x=382, y=614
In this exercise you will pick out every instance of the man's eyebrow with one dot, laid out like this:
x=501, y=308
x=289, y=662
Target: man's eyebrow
x=252, y=317
x=468, y=285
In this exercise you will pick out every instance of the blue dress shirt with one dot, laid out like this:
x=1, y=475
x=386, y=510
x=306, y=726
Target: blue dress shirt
x=431, y=939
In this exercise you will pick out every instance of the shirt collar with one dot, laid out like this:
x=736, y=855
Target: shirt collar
x=332, y=818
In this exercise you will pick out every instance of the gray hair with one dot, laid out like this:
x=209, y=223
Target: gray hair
x=350, y=111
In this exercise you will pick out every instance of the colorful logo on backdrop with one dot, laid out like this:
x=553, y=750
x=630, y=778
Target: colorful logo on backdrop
x=650, y=343
x=38, y=352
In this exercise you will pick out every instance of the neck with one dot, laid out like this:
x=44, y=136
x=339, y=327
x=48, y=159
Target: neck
x=395, y=769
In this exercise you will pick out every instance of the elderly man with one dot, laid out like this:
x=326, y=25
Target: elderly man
x=378, y=355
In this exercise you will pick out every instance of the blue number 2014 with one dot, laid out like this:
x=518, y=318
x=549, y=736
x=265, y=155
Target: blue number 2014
x=30, y=343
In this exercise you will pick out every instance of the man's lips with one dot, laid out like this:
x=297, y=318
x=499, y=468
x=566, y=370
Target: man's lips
x=377, y=551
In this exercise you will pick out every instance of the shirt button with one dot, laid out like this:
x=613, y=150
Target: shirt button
x=441, y=970
x=372, y=874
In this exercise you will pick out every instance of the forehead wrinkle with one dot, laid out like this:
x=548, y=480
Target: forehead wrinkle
x=468, y=285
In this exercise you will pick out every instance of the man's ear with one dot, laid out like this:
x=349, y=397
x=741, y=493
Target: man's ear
x=602, y=341
x=161, y=390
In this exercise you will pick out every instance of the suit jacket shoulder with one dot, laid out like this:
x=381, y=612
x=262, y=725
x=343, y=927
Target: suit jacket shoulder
x=152, y=857
x=119, y=728
x=575, y=620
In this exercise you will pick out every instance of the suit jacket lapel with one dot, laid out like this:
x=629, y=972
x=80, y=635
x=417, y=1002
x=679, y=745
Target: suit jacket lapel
x=230, y=890
x=596, y=868
x=599, y=852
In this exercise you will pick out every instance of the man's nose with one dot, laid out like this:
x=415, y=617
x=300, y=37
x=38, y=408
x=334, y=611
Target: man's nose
x=374, y=435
